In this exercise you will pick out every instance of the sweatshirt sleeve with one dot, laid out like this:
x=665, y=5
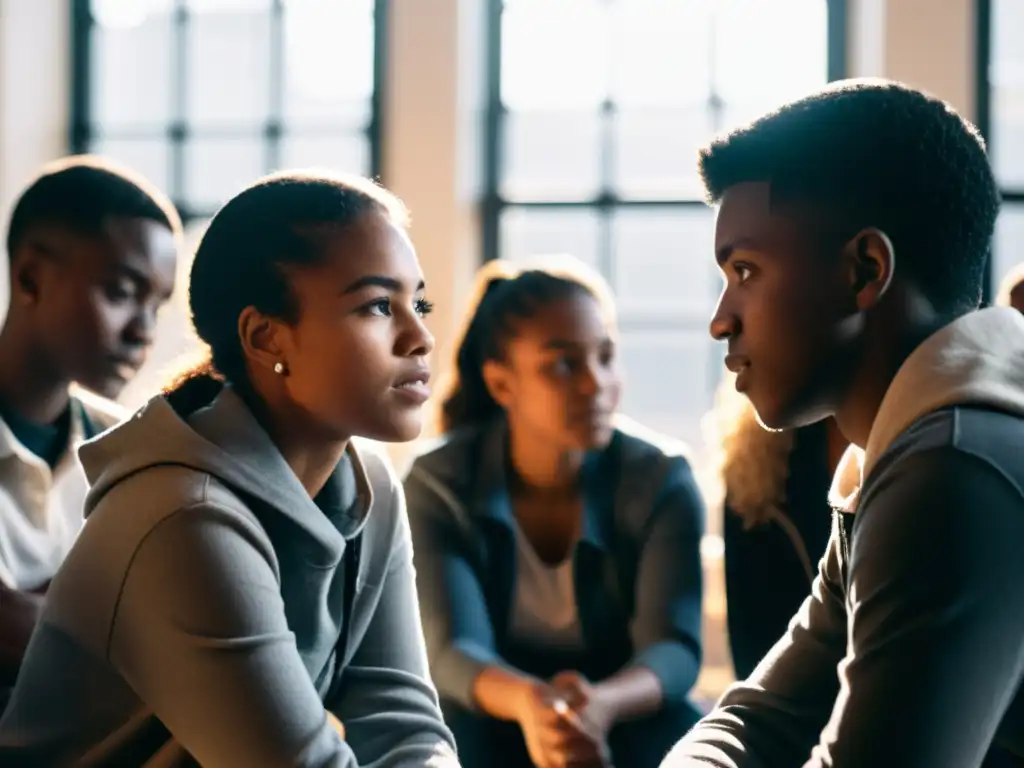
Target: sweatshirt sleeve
x=775, y=717
x=200, y=634
x=386, y=699
x=667, y=624
x=937, y=619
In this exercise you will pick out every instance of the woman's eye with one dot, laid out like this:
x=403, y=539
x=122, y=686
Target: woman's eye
x=424, y=307
x=743, y=272
x=379, y=308
x=121, y=290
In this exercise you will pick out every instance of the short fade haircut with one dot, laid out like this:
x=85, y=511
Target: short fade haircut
x=877, y=153
x=83, y=191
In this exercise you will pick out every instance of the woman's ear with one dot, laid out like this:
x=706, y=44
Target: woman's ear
x=498, y=380
x=259, y=336
x=872, y=263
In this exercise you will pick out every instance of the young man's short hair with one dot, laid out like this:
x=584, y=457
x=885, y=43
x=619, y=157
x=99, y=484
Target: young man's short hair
x=81, y=193
x=878, y=154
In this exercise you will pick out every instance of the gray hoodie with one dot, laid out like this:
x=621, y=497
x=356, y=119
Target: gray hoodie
x=910, y=650
x=200, y=615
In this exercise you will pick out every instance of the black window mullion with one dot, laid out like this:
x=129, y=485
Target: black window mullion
x=178, y=130
x=274, y=127
x=80, y=135
x=375, y=128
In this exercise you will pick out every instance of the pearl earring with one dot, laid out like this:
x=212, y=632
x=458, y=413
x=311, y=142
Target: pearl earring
x=279, y=368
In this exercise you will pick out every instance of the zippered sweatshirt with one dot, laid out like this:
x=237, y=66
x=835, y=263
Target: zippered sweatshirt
x=910, y=650
x=200, y=617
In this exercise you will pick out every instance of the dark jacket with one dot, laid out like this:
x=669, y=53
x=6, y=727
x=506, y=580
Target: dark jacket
x=637, y=565
x=770, y=563
x=910, y=650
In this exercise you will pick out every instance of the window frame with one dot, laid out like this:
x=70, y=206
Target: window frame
x=82, y=128
x=494, y=204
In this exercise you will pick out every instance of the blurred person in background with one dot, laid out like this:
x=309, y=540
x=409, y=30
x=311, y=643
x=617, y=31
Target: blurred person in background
x=92, y=251
x=777, y=519
x=557, y=545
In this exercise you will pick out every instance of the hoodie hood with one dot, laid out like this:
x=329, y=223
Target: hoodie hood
x=977, y=360
x=224, y=439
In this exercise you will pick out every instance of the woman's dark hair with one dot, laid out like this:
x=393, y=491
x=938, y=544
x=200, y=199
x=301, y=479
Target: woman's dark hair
x=504, y=295
x=278, y=223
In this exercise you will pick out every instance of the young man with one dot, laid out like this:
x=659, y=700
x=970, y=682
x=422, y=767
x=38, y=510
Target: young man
x=93, y=255
x=853, y=232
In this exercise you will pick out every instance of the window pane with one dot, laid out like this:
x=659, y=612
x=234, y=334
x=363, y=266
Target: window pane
x=671, y=374
x=1006, y=76
x=661, y=52
x=552, y=156
x=663, y=262
x=1008, y=244
x=132, y=74
x=530, y=232
x=350, y=154
x=217, y=169
x=328, y=62
x=655, y=153
x=150, y=157
x=554, y=53
x=228, y=65
x=768, y=70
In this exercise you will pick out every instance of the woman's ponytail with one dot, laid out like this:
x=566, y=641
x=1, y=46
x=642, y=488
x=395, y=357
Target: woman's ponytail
x=196, y=384
x=468, y=401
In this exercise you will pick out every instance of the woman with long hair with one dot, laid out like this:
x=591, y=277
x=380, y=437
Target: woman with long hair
x=777, y=519
x=557, y=545
x=243, y=591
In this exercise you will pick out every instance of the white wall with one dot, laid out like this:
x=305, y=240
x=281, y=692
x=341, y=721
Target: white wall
x=929, y=44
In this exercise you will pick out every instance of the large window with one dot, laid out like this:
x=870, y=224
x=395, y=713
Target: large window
x=595, y=113
x=203, y=96
x=1001, y=117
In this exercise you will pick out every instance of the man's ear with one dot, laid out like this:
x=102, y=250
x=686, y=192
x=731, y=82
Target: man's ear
x=498, y=379
x=28, y=264
x=871, y=262
x=260, y=336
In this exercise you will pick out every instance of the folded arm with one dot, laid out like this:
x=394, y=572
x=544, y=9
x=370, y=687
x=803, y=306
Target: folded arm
x=666, y=626
x=460, y=638
x=200, y=634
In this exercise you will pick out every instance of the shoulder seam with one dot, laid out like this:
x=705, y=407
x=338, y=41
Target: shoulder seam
x=205, y=503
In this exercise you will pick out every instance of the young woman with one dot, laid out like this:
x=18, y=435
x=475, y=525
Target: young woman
x=777, y=520
x=244, y=581
x=557, y=548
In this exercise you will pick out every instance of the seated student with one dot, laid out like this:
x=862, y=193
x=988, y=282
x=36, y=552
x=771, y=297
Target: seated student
x=92, y=257
x=777, y=520
x=853, y=232
x=558, y=550
x=245, y=579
